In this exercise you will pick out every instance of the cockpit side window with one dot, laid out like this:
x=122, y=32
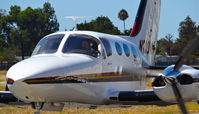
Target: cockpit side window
x=79, y=43
x=126, y=50
x=118, y=48
x=107, y=46
x=48, y=45
x=134, y=52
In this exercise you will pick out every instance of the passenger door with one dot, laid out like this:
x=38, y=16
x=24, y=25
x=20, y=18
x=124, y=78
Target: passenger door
x=107, y=55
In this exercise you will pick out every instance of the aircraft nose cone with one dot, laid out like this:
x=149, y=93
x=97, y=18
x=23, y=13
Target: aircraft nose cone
x=23, y=73
x=47, y=66
x=31, y=67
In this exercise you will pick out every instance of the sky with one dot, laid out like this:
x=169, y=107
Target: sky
x=172, y=11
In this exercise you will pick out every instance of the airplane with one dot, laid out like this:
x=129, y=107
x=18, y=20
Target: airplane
x=98, y=69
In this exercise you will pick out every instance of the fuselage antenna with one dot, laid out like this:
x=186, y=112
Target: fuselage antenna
x=74, y=18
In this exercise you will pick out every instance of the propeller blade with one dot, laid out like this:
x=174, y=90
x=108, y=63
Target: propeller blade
x=140, y=72
x=135, y=71
x=179, y=98
x=172, y=81
x=186, y=53
x=152, y=73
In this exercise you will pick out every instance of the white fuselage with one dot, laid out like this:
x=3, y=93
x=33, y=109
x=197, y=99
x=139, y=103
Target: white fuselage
x=77, y=77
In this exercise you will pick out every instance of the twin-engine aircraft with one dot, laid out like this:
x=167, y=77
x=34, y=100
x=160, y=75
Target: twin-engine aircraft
x=100, y=69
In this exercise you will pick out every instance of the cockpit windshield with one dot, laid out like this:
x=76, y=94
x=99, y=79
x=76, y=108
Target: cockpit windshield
x=48, y=44
x=84, y=44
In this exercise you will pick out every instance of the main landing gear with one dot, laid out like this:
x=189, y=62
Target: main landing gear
x=38, y=106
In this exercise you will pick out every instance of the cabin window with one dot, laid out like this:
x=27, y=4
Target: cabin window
x=126, y=50
x=118, y=48
x=134, y=52
x=107, y=46
x=83, y=44
x=48, y=44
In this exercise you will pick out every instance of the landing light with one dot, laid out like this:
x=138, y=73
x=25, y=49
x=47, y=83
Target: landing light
x=10, y=81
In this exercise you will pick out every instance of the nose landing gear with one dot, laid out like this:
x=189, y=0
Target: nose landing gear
x=38, y=106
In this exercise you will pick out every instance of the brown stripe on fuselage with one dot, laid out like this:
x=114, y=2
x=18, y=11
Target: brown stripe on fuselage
x=98, y=77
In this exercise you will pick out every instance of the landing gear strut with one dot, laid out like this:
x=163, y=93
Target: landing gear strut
x=38, y=106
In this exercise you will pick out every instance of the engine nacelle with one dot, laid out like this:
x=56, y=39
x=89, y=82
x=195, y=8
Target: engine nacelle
x=187, y=86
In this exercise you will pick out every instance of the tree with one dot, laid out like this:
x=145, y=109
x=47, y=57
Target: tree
x=123, y=15
x=2, y=40
x=3, y=44
x=127, y=32
x=21, y=40
x=7, y=52
x=14, y=10
x=100, y=24
x=7, y=55
x=2, y=13
x=187, y=28
x=22, y=29
x=51, y=24
x=30, y=25
x=4, y=26
x=166, y=45
x=187, y=31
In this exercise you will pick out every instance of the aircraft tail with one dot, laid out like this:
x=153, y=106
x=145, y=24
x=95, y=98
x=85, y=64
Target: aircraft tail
x=145, y=28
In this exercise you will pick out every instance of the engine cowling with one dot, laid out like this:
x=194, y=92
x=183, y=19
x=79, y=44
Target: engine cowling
x=187, y=83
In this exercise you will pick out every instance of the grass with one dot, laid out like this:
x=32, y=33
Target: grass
x=2, y=79
x=173, y=109
x=192, y=108
x=3, y=72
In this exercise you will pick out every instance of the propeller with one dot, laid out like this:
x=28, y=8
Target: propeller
x=187, y=51
x=173, y=82
x=170, y=78
x=135, y=71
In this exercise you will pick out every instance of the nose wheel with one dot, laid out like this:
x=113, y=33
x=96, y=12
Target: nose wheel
x=38, y=106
